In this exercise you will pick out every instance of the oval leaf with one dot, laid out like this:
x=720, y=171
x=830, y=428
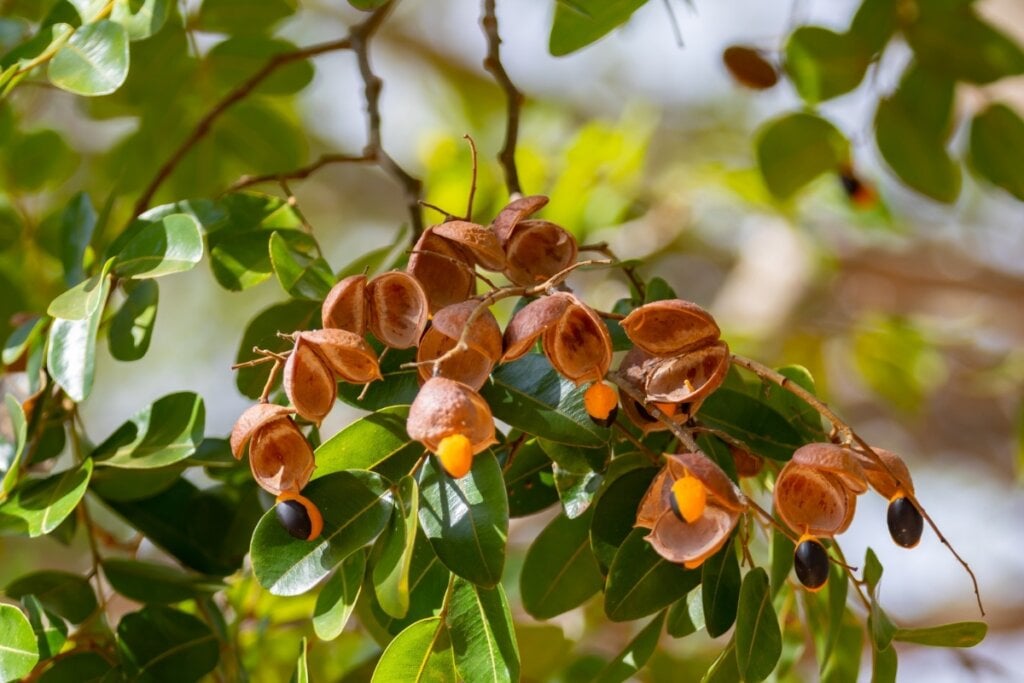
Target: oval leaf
x=171, y=244
x=797, y=148
x=392, y=557
x=337, y=598
x=635, y=655
x=579, y=23
x=377, y=442
x=482, y=633
x=560, y=571
x=19, y=653
x=720, y=580
x=65, y=594
x=163, y=644
x=641, y=582
x=960, y=634
x=38, y=506
x=166, y=432
x=151, y=583
x=93, y=62
x=997, y=146
x=420, y=653
x=758, y=637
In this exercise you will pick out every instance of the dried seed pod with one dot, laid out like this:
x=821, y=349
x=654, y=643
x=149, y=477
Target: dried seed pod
x=531, y=321
x=905, y=522
x=280, y=457
x=484, y=336
x=749, y=67
x=514, y=212
x=478, y=242
x=443, y=269
x=309, y=383
x=834, y=459
x=344, y=307
x=636, y=368
x=816, y=492
x=471, y=366
x=670, y=327
x=299, y=516
x=398, y=309
x=579, y=345
x=536, y=250
x=444, y=407
x=691, y=544
x=253, y=419
x=880, y=478
x=747, y=464
x=810, y=560
x=687, y=378
x=723, y=492
x=345, y=353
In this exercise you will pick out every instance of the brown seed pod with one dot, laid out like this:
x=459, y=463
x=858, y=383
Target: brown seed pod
x=749, y=67
x=344, y=308
x=443, y=269
x=536, y=250
x=834, y=459
x=345, y=353
x=687, y=378
x=879, y=477
x=280, y=457
x=252, y=419
x=515, y=211
x=471, y=366
x=747, y=464
x=816, y=492
x=531, y=321
x=398, y=309
x=671, y=327
x=478, y=242
x=579, y=345
x=444, y=407
x=309, y=383
x=720, y=488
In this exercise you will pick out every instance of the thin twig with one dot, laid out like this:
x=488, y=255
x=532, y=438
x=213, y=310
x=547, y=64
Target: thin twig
x=630, y=271
x=472, y=185
x=677, y=32
x=269, y=385
x=492, y=63
x=447, y=214
x=299, y=173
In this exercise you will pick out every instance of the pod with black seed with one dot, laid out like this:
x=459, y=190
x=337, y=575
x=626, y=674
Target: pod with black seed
x=602, y=403
x=810, y=560
x=905, y=522
x=299, y=516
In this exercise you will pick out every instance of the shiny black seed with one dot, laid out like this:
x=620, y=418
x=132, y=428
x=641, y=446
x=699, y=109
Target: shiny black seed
x=905, y=522
x=606, y=422
x=674, y=504
x=850, y=184
x=811, y=563
x=294, y=517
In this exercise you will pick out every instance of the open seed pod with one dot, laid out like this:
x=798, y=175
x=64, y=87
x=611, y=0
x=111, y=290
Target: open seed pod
x=635, y=368
x=747, y=464
x=478, y=242
x=670, y=327
x=880, y=478
x=536, y=250
x=345, y=353
x=309, y=383
x=280, y=457
x=531, y=321
x=344, y=307
x=816, y=492
x=443, y=269
x=689, y=377
x=254, y=418
x=515, y=211
x=445, y=407
x=834, y=459
x=398, y=309
x=471, y=366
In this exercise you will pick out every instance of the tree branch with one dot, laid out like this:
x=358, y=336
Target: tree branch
x=492, y=63
x=300, y=173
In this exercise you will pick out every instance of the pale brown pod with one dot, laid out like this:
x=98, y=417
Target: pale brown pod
x=252, y=419
x=536, y=250
x=531, y=321
x=812, y=501
x=689, y=377
x=747, y=464
x=880, y=478
x=579, y=345
x=398, y=309
x=484, y=336
x=344, y=307
x=691, y=544
x=443, y=270
x=834, y=459
x=345, y=353
x=720, y=488
x=654, y=502
x=309, y=383
x=445, y=407
x=671, y=327
x=635, y=368
x=471, y=366
x=479, y=242
x=280, y=457
x=515, y=211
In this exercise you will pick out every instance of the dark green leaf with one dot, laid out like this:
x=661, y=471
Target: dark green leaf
x=560, y=571
x=65, y=594
x=78, y=667
x=641, y=582
x=579, y=23
x=141, y=18
x=874, y=23
x=782, y=560
x=428, y=581
x=93, y=62
x=635, y=655
x=795, y=149
x=262, y=332
x=753, y=422
x=151, y=583
x=160, y=434
x=132, y=484
x=77, y=224
x=163, y=644
x=838, y=587
x=466, y=519
x=724, y=668
x=337, y=598
x=420, y=653
x=367, y=5
x=131, y=328
x=844, y=661
x=392, y=556
x=375, y=442
x=19, y=653
x=964, y=47
x=720, y=579
x=71, y=353
x=529, y=481
x=686, y=616
x=36, y=160
x=171, y=244
x=242, y=16
x=758, y=637
x=797, y=412
x=237, y=59
x=355, y=507
x=482, y=635
x=997, y=146
x=300, y=269
x=576, y=489
x=50, y=630
x=960, y=634
x=38, y=506
x=883, y=665
x=615, y=511
x=824, y=64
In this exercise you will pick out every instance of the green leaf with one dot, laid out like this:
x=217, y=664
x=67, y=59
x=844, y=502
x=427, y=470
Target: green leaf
x=797, y=412
x=724, y=668
x=131, y=328
x=758, y=637
x=529, y=480
x=37, y=160
x=575, y=489
x=84, y=299
x=397, y=388
x=22, y=339
x=133, y=484
x=78, y=667
x=823, y=64
x=51, y=631
x=883, y=665
x=720, y=578
x=11, y=452
x=162, y=644
x=71, y=353
x=635, y=655
x=239, y=250
x=686, y=616
x=19, y=653
x=242, y=16
x=93, y=62
x=392, y=557
x=466, y=519
x=874, y=24
x=838, y=588
x=844, y=661
x=794, y=149
x=560, y=571
x=65, y=594
x=615, y=511
x=337, y=598
x=482, y=635
x=151, y=583
x=964, y=47
x=377, y=442
x=141, y=18
x=301, y=673
x=997, y=145
x=641, y=582
x=428, y=581
x=38, y=506
x=528, y=394
x=237, y=59
x=355, y=507
x=579, y=23
x=782, y=560
x=262, y=332
x=172, y=244
x=959, y=634
x=367, y=5
x=880, y=627
x=300, y=269
x=160, y=434
x=420, y=653
x=753, y=422
x=872, y=570
x=77, y=224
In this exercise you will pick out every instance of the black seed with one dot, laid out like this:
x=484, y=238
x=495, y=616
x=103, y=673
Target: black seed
x=850, y=183
x=294, y=517
x=606, y=422
x=905, y=522
x=642, y=412
x=674, y=504
x=811, y=563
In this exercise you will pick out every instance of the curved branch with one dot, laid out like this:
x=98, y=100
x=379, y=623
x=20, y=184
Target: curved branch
x=492, y=63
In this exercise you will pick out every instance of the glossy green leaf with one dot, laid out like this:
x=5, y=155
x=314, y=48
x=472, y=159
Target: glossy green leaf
x=635, y=655
x=355, y=508
x=51, y=631
x=615, y=511
x=823, y=64
x=753, y=422
x=239, y=239
x=795, y=149
x=160, y=434
x=397, y=388
x=466, y=519
x=782, y=560
x=237, y=59
x=337, y=598
x=720, y=580
x=483, y=638
x=71, y=352
x=641, y=582
x=560, y=571
x=884, y=664
x=243, y=16
x=575, y=489
x=377, y=442
x=872, y=570
x=838, y=588
x=84, y=299
x=162, y=644
x=87, y=10
x=76, y=226
x=262, y=332
x=38, y=506
x=300, y=269
x=36, y=160
x=959, y=634
x=10, y=453
x=63, y=593
x=19, y=653
x=392, y=557
x=420, y=653
x=579, y=23
x=958, y=43
x=141, y=18
x=797, y=412
x=131, y=328
x=151, y=583
x=529, y=395
x=78, y=667
x=758, y=637
x=686, y=616
x=997, y=145
x=428, y=582
x=93, y=62
x=724, y=669
x=172, y=244
x=529, y=481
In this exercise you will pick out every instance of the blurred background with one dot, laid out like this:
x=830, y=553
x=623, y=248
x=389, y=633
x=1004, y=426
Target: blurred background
x=909, y=315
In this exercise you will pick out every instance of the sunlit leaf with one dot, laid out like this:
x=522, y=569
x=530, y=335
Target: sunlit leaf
x=420, y=653
x=377, y=442
x=758, y=637
x=19, y=653
x=483, y=638
x=337, y=598
x=579, y=23
x=960, y=634
x=131, y=328
x=392, y=556
x=38, y=506
x=94, y=61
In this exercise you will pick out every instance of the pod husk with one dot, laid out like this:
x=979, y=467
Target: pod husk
x=309, y=383
x=444, y=407
x=280, y=457
x=398, y=309
x=478, y=242
x=514, y=212
x=443, y=269
x=253, y=418
x=344, y=307
x=536, y=250
x=670, y=327
x=345, y=353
